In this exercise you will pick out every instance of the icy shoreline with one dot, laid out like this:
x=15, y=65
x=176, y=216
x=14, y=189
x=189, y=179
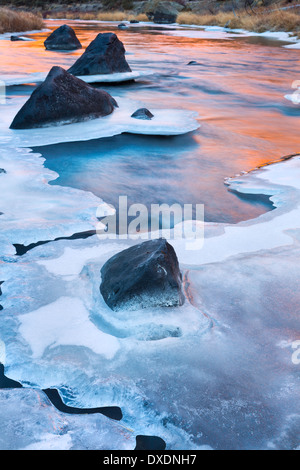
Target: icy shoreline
x=222, y=361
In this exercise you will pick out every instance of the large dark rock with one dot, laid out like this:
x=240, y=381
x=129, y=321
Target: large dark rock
x=149, y=443
x=105, y=55
x=143, y=276
x=63, y=39
x=63, y=99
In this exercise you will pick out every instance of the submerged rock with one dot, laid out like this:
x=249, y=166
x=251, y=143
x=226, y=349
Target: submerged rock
x=105, y=55
x=63, y=99
x=122, y=26
x=143, y=114
x=143, y=276
x=63, y=39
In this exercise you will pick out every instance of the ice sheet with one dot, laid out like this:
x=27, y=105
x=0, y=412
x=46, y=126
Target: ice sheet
x=270, y=230
x=218, y=32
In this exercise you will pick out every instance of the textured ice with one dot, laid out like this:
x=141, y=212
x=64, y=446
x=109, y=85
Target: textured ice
x=165, y=122
x=38, y=77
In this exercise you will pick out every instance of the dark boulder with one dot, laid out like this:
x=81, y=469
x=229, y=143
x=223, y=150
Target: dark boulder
x=63, y=99
x=2, y=170
x=63, y=39
x=142, y=113
x=122, y=26
x=143, y=276
x=105, y=55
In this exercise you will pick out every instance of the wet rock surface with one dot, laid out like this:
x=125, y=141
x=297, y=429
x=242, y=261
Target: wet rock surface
x=142, y=276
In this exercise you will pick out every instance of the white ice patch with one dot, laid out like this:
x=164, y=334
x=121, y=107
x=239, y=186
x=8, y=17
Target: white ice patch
x=30, y=422
x=65, y=322
x=217, y=33
x=51, y=442
x=293, y=46
x=166, y=122
x=38, y=77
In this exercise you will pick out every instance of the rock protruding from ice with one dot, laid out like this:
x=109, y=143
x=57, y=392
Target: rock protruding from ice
x=2, y=170
x=1, y=282
x=105, y=55
x=63, y=39
x=63, y=98
x=143, y=113
x=163, y=12
x=143, y=276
